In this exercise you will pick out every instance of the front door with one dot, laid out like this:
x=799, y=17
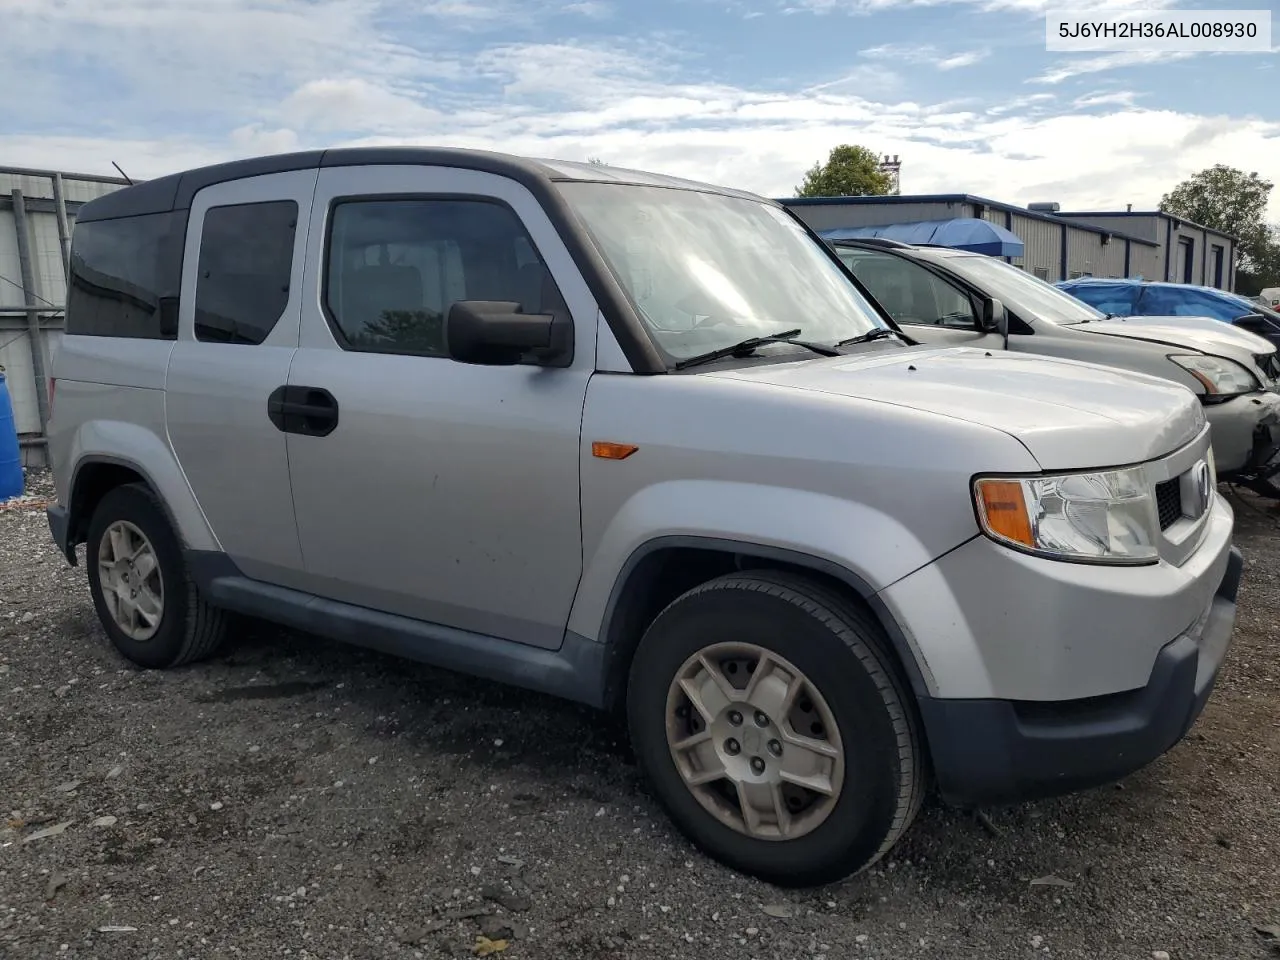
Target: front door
x=929, y=308
x=237, y=333
x=423, y=487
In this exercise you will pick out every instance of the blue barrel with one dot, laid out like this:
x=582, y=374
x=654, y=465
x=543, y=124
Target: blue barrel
x=10, y=461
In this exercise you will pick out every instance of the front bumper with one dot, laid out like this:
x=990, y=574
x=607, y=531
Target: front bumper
x=1241, y=429
x=988, y=752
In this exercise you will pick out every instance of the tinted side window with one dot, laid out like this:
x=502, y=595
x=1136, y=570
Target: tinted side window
x=395, y=267
x=246, y=259
x=1171, y=302
x=1109, y=299
x=909, y=292
x=125, y=276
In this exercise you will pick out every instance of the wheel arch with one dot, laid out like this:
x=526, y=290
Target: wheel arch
x=663, y=568
x=95, y=476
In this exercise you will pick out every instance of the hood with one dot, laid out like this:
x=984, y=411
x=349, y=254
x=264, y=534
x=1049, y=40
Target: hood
x=1202, y=334
x=1069, y=415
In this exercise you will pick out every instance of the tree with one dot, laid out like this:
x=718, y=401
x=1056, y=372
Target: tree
x=1232, y=201
x=850, y=171
x=404, y=331
x=1264, y=271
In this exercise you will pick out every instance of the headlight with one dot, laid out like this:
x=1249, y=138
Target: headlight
x=1091, y=517
x=1218, y=374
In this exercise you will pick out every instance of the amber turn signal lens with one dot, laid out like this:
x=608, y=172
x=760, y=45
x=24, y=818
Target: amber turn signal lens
x=607, y=450
x=1004, y=511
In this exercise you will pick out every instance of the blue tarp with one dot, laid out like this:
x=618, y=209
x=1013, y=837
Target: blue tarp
x=964, y=233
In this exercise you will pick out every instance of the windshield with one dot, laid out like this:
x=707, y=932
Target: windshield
x=1027, y=296
x=1250, y=306
x=705, y=270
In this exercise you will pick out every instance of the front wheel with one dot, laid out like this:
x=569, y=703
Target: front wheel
x=766, y=714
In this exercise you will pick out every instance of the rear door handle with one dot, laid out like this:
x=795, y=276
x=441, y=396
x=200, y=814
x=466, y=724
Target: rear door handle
x=309, y=411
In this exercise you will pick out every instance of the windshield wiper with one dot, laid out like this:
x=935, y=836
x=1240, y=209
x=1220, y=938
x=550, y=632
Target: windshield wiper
x=744, y=347
x=879, y=333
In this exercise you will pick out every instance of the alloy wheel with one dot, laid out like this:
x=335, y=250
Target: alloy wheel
x=754, y=741
x=132, y=584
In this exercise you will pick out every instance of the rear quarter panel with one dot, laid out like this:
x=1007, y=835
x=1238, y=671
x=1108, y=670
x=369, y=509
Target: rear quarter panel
x=110, y=406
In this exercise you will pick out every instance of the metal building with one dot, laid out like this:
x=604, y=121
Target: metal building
x=37, y=214
x=1056, y=246
x=1190, y=253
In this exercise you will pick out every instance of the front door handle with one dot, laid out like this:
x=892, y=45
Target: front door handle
x=309, y=411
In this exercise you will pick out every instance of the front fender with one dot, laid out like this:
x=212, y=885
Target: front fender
x=872, y=548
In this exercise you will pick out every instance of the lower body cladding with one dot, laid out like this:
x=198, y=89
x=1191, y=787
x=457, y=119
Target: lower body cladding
x=1047, y=677
x=1246, y=440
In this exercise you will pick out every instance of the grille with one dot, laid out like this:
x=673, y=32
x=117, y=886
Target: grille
x=1169, y=502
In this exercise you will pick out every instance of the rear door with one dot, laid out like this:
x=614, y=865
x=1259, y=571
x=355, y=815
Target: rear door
x=432, y=489
x=931, y=309
x=237, y=334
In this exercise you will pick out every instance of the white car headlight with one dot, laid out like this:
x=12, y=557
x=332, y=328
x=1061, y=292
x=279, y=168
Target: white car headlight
x=1218, y=375
x=1103, y=517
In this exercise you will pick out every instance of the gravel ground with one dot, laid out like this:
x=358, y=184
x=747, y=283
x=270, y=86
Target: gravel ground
x=296, y=798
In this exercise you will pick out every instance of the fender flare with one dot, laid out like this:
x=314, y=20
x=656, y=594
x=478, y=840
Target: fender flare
x=75, y=522
x=902, y=643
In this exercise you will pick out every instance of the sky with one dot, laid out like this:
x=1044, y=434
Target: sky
x=745, y=93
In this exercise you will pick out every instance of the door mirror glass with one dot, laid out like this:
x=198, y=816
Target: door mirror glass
x=995, y=318
x=497, y=333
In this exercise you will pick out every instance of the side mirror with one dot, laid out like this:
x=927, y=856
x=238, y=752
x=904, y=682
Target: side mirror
x=1252, y=321
x=497, y=333
x=994, y=317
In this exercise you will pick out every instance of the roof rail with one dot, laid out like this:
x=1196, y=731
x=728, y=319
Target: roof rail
x=872, y=241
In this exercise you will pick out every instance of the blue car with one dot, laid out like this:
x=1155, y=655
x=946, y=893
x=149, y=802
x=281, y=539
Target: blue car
x=1139, y=298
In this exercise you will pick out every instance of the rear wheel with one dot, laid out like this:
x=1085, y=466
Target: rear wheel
x=141, y=590
x=767, y=716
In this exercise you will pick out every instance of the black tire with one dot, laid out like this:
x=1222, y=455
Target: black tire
x=190, y=629
x=841, y=649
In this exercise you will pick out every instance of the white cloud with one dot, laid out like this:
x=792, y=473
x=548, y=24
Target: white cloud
x=864, y=80
x=223, y=56
x=1115, y=98
x=346, y=75
x=1033, y=103
x=595, y=9
x=966, y=59
x=1029, y=7
x=1068, y=69
x=568, y=72
x=503, y=14
x=925, y=53
x=339, y=105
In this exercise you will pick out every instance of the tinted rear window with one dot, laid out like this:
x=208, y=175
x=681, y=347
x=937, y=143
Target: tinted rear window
x=246, y=259
x=125, y=277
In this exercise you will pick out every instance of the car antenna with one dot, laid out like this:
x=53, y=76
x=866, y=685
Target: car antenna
x=122, y=173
